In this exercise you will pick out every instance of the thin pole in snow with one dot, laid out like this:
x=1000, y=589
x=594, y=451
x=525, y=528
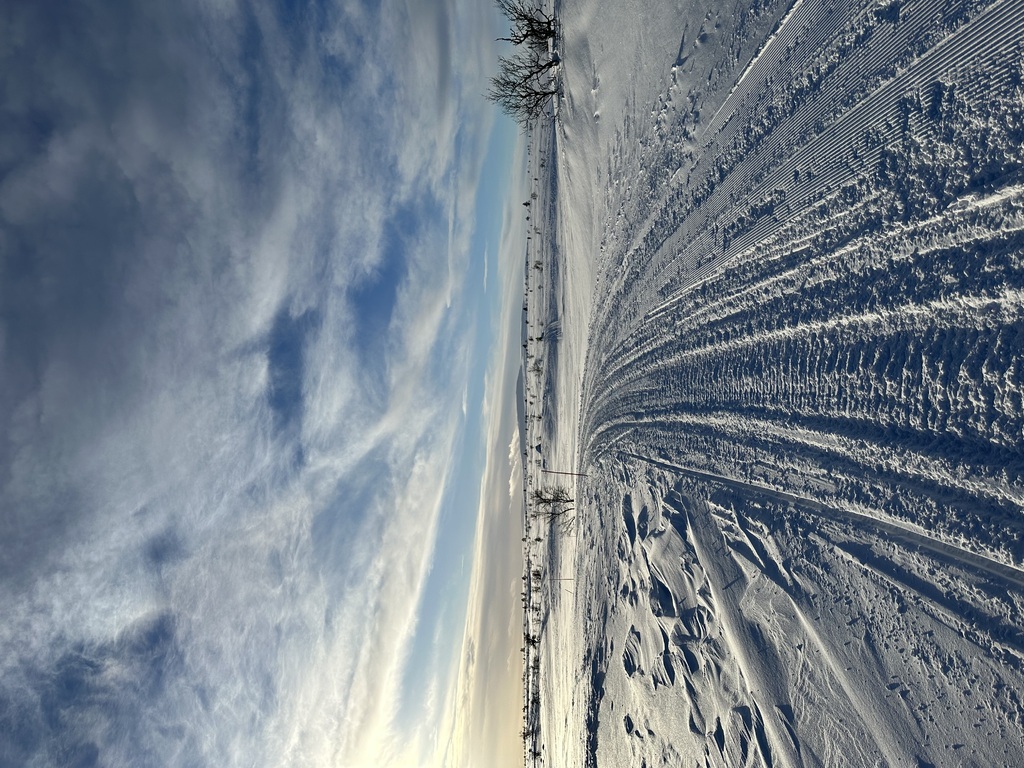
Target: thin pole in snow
x=574, y=474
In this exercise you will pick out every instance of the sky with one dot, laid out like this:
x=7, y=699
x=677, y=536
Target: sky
x=259, y=290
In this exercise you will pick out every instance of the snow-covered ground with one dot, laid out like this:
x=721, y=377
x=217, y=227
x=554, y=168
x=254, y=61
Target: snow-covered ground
x=782, y=306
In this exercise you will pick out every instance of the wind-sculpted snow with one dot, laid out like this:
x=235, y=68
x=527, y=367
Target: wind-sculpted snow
x=800, y=540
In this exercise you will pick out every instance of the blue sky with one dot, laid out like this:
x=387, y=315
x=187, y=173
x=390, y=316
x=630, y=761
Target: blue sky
x=259, y=267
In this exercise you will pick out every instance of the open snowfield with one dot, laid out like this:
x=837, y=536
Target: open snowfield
x=783, y=323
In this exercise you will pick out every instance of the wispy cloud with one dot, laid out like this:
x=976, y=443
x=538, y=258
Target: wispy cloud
x=221, y=485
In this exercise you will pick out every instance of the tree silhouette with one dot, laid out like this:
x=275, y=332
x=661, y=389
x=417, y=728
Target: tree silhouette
x=552, y=504
x=557, y=495
x=524, y=84
x=525, y=79
x=530, y=25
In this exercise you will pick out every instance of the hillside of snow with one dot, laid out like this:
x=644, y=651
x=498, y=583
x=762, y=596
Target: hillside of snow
x=786, y=295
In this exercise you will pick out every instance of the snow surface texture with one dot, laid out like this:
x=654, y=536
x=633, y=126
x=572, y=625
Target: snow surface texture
x=787, y=285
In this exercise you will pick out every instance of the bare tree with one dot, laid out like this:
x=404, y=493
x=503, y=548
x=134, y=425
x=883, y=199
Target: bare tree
x=524, y=84
x=530, y=25
x=557, y=495
x=553, y=505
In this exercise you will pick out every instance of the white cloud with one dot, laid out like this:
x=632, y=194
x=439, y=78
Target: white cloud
x=177, y=566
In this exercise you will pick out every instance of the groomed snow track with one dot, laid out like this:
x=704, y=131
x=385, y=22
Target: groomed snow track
x=800, y=540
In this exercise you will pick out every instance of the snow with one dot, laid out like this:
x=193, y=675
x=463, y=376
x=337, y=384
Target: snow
x=775, y=316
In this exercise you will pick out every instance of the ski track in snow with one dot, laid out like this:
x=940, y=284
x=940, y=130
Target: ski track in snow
x=784, y=303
